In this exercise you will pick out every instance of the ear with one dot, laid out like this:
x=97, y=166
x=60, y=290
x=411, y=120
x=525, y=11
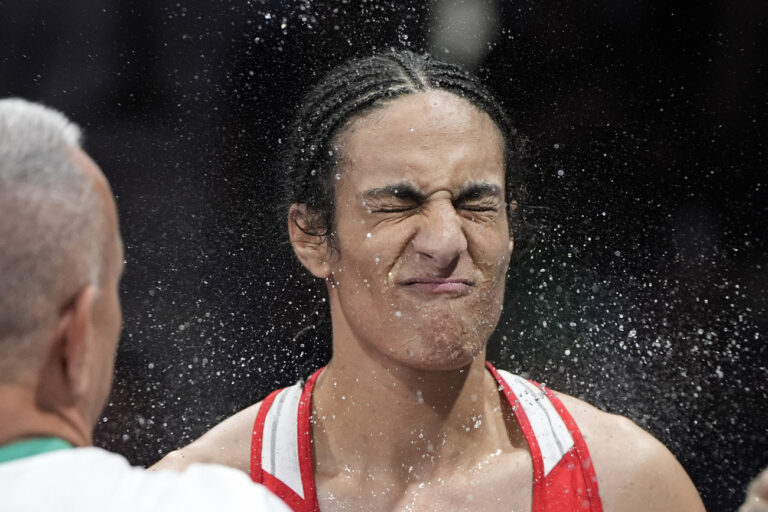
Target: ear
x=312, y=250
x=76, y=341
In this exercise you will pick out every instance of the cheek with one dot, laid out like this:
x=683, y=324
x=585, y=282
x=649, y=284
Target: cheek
x=354, y=270
x=364, y=278
x=370, y=250
x=491, y=251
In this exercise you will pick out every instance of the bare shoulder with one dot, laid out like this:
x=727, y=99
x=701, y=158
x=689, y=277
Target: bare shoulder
x=634, y=470
x=228, y=443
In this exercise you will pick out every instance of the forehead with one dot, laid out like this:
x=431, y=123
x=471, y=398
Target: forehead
x=433, y=139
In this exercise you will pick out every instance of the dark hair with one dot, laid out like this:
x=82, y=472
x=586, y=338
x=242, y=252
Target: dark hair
x=355, y=87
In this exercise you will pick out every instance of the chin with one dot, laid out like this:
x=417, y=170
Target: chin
x=439, y=351
x=439, y=364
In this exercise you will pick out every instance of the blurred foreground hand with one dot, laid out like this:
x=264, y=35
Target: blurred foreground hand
x=757, y=494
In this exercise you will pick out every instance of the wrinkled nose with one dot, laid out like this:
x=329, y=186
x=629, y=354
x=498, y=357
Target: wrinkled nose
x=440, y=238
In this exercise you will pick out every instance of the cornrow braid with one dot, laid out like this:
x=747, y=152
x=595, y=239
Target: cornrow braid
x=354, y=88
x=407, y=67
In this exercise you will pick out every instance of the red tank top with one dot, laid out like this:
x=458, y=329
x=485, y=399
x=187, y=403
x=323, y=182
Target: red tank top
x=564, y=479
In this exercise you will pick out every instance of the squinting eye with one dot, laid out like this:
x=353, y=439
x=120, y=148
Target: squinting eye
x=472, y=208
x=398, y=209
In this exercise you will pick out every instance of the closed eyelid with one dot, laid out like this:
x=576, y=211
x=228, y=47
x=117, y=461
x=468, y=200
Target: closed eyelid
x=409, y=193
x=402, y=191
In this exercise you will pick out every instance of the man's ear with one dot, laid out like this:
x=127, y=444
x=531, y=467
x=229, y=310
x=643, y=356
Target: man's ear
x=312, y=250
x=75, y=344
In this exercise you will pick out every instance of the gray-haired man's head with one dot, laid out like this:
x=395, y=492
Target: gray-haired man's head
x=57, y=224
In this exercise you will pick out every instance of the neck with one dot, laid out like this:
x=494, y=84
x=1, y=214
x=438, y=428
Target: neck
x=32, y=419
x=379, y=415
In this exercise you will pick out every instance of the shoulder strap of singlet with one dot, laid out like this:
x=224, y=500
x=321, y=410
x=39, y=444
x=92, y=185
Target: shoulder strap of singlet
x=554, y=440
x=281, y=454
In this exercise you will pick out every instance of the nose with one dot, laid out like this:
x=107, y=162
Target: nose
x=440, y=237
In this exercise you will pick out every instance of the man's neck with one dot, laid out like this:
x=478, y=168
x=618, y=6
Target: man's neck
x=378, y=416
x=24, y=418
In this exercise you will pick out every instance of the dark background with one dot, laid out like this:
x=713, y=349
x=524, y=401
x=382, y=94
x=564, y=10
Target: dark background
x=644, y=292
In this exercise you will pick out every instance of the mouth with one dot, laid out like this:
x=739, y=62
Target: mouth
x=436, y=285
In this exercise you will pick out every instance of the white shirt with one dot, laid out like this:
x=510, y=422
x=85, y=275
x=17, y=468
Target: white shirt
x=92, y=479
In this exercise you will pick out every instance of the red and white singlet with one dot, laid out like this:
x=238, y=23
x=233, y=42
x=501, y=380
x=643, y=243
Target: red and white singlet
x=564, y=479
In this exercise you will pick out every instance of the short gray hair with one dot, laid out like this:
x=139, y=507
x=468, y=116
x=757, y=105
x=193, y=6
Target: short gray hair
x=51, y=220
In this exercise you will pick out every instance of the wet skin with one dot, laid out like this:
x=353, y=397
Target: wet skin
x=416, y=285
x=422, y=233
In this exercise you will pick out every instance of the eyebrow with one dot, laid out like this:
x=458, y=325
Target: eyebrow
x=408, y=192
x=478, y=191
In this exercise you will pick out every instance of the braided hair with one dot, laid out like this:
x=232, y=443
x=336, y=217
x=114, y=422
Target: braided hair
x=354, y=88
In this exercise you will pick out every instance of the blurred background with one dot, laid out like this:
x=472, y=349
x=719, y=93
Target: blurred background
x=644, y=291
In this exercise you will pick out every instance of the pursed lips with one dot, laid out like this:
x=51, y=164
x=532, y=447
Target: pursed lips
x=436, y=285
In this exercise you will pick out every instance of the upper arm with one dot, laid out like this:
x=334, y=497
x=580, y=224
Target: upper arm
x=228, y=443
x=634, y=470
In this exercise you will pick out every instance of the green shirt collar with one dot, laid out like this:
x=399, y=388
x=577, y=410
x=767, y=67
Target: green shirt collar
x=29, y=447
